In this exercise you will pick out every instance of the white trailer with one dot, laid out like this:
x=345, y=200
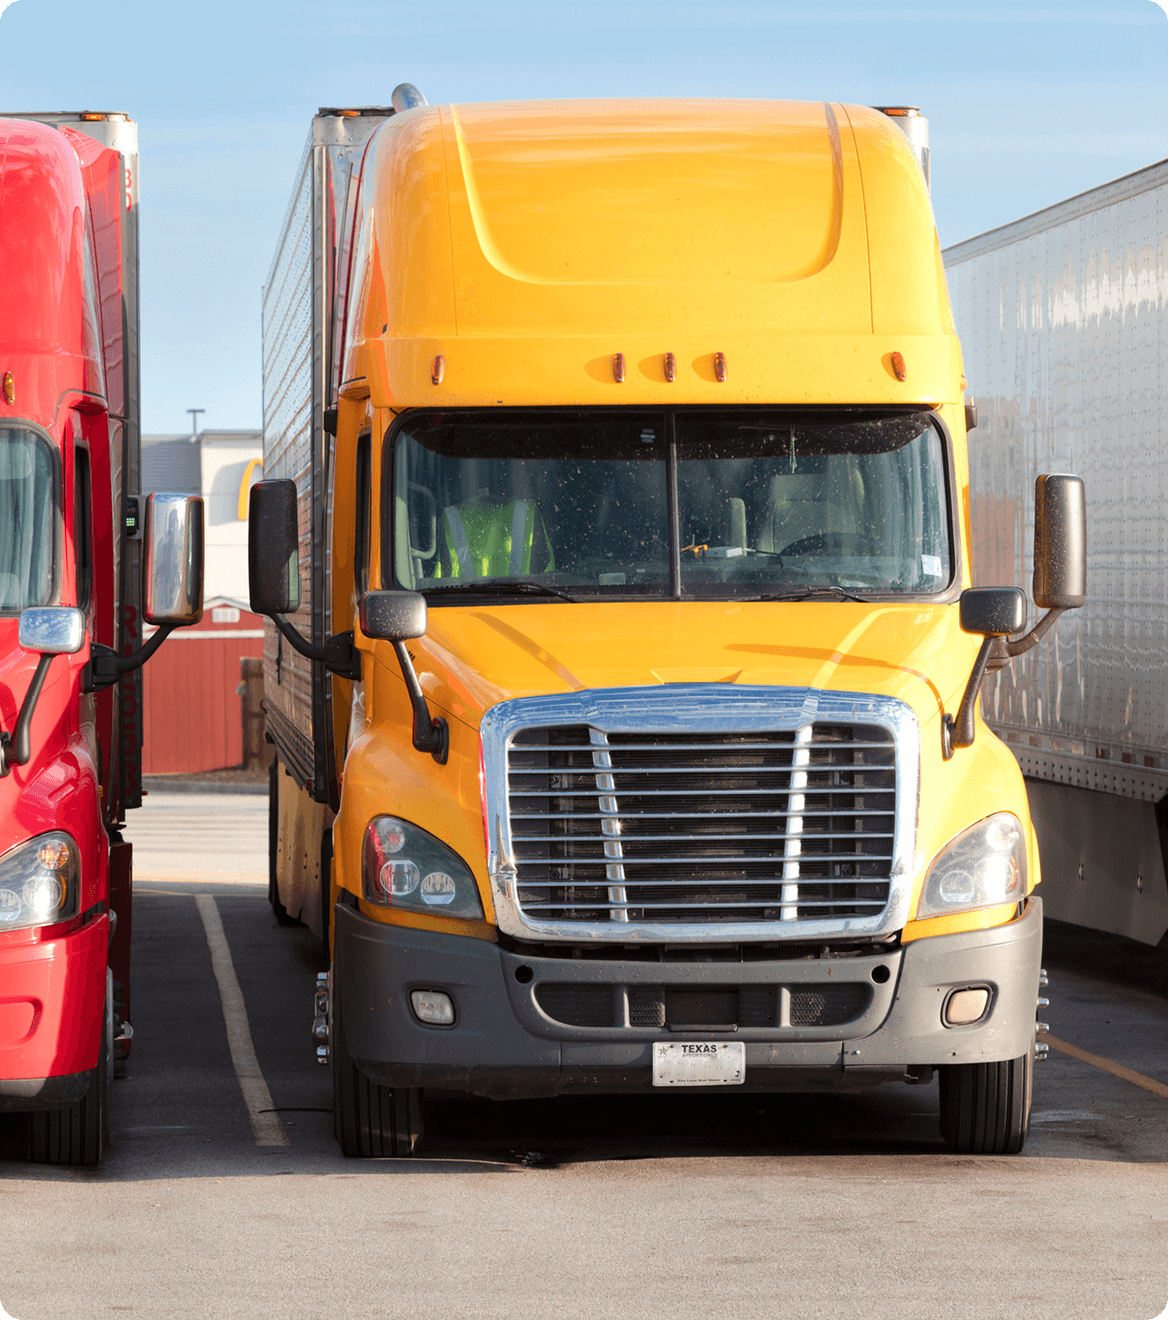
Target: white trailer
x=1063, y=316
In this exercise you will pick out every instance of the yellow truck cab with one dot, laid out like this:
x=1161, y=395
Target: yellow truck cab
x=623, y=662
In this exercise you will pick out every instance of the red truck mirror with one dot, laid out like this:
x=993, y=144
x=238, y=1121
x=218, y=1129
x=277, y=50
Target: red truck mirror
x=52, y=630
x=172, y=566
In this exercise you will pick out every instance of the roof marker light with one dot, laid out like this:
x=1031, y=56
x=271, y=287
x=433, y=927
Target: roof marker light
x=438, y=370
x=86, y=115
x=9, y=388
x=618, y=368
x=720, y=368
x=670, y=367
x=897, y=360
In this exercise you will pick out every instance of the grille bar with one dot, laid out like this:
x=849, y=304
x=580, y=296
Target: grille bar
x=572, y=907
x=714, y=792
x=745, y=745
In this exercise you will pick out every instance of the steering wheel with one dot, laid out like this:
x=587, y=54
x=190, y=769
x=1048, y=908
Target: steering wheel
x=827, y=542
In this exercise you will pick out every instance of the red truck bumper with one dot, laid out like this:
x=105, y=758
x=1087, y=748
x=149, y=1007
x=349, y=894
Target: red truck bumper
x=52, y=1002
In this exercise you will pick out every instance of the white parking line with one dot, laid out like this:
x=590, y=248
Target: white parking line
x=268, y=1129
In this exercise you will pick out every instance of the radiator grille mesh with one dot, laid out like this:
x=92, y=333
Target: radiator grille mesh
x=680, y=827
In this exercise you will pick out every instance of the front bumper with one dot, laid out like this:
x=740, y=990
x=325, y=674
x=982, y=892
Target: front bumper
x=52, y=1003
x=505, y=1045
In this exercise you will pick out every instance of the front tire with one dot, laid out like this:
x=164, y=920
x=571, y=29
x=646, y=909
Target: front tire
x=370, y=1121
x=77, y=1134
x=985, y=1107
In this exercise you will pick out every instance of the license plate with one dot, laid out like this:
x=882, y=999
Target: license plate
x=699, y=1063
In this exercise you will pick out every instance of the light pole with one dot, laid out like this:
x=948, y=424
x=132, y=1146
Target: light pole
x=194, y=412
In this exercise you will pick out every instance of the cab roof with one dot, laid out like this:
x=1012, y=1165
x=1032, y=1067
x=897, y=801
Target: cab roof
x=528, y=244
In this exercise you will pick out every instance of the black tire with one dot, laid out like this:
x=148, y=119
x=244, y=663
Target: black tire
x=370, y=1121
x=985, y=1107
x=279, y=911
x=76, y=1135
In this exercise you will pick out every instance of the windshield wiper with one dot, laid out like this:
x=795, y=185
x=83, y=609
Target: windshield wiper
x=814, y=593
x=500, y=587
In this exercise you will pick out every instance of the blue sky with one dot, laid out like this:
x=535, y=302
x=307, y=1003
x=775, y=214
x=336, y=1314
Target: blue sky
x=1027, y=103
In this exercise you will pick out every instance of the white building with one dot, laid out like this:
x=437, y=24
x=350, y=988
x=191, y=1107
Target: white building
x=221, y=466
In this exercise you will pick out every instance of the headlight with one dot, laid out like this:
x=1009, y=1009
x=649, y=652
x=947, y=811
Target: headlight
x=404, y=867
x=38, y=882
x=983, y=866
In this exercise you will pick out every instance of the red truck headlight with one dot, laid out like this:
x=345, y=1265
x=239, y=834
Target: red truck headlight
x=39, y=882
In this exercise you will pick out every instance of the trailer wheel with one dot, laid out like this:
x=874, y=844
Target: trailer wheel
x=278, y=909
x=78, y=1133
x=985, y=1107
x=370, y=1121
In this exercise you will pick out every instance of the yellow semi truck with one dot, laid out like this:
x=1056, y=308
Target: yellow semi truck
x=623, y=663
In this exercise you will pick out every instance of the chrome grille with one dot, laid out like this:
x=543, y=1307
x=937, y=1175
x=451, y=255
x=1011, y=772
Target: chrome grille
x=655, y=827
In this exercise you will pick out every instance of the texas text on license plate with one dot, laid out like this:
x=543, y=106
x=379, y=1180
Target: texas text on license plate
x=699, y=1063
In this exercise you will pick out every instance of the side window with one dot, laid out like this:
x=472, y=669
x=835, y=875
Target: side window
x=82, y=526
x=361, y=527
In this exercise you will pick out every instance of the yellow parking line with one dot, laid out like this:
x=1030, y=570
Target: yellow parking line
x=1116, y=1069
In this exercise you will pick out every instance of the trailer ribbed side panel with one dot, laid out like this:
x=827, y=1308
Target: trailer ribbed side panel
x=288, y=432
x=1063, y=317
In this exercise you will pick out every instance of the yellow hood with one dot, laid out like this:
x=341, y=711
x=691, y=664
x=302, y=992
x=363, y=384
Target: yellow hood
x=472, y=658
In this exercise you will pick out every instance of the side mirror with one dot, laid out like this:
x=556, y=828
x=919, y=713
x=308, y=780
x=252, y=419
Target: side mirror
x=393, y=616
x=273, y=537
x=398, y=616
x=172, y=566
x=1060, y=543
x=55, y=630
x=993, y=611
x=51, y=631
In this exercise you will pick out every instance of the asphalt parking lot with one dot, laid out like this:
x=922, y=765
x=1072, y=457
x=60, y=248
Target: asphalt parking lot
x=607, y=1206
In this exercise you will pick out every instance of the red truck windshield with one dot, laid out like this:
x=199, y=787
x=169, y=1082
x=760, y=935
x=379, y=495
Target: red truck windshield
x=692, y=503
x=29, y=503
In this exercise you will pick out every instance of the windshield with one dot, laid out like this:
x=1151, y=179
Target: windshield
x=582, y=504
x=28, y=520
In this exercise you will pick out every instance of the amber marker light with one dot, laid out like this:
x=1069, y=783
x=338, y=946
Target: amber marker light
x=720, y=368
x=670, y=367
x=9, y=388
x=90, y=118
x=618, y=368
x=438, y=370
x=897, y=360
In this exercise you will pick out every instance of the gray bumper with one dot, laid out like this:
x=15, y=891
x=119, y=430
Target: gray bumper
x=503, y=1043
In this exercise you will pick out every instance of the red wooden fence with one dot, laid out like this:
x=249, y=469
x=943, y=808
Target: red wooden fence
x=193, y=714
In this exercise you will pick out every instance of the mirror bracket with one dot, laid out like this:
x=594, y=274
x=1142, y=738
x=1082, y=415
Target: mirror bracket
x=15, y=748
x=338, y=655
x=959, y=731
x=1005, y=651
x=430, y=734
x=104, y=666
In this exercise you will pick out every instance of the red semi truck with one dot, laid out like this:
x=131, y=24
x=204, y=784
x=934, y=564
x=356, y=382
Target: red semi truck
x=81, y=569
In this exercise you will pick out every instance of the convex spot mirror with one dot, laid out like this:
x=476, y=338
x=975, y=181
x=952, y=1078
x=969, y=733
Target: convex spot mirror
x=52, y=630
x=393, y=616
x=993, y=611
x=273, y=535
x=1060, y=542
x=172, y=568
